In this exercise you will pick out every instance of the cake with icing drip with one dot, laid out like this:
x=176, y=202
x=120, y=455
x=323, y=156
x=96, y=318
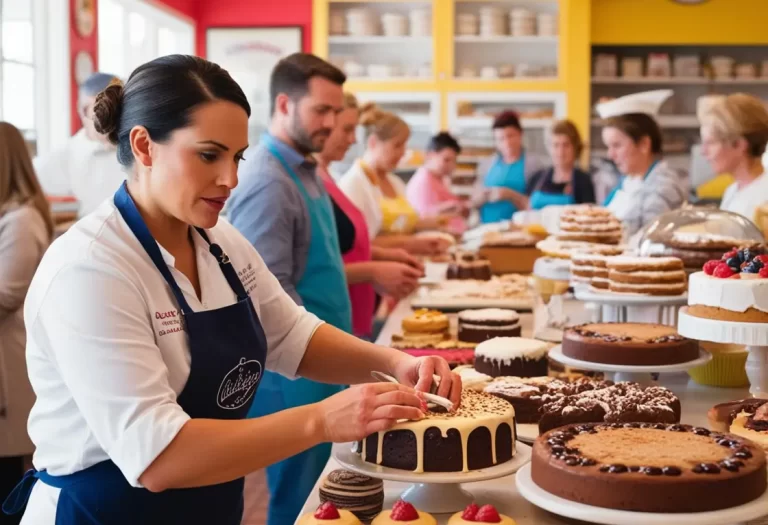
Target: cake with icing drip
x=479, y=434
x=512, y=356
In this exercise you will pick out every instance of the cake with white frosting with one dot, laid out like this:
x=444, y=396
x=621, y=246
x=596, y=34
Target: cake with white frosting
x=590, y=268
x=476, y=326
x=732, y=288
x=479, y=434
x=646, y=275
x=591, y=224
x=512, y=356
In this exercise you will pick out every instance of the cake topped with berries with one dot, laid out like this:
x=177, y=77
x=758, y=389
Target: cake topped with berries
x=328, y=514
x=404, y=513
x=733, y=288
x=480, y=514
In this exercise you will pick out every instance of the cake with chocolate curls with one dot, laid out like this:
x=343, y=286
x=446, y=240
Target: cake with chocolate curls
x=753, y=426
x=649, y=467
x=722, y=415
x=479, y=434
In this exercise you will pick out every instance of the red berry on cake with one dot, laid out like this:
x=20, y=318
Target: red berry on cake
x=709, y=266
x=404, y=511
x=470, y=512
x=723, y=271
x=485, y=514
x=762, y=258
x=763, y=272
x=488, y=514
x=327, y=511
x=728, y=255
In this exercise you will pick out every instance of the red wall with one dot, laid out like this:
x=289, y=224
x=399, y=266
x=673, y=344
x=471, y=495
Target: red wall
x=253, y=13
x=77, y=43
x=189, y=8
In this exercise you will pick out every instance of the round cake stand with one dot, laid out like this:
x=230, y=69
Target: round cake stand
x=637, y=374
x=579, y=511
x=753, y=335
x=620, y=304
x=434, y=492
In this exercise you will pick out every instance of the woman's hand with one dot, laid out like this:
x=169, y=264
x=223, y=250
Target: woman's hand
x=505, y=194
x=362, y=410
x=419, y=372
x=395, y=279
x=426, y=245
x=438, y=222
x=399, y=255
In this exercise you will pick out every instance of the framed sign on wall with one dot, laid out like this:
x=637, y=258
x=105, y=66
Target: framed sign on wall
x=249, y=54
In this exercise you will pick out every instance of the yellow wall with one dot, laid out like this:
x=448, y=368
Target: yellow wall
x=734, y=22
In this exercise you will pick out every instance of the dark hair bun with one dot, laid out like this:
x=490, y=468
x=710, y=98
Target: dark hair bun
x=107, y=110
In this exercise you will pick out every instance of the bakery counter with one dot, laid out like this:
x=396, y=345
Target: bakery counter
x=695, y=400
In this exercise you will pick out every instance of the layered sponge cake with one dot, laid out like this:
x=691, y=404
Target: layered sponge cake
x=476, y=326
x=646, y=275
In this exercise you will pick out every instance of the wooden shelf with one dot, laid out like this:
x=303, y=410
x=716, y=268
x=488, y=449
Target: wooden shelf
x=379, y=39
x=502, y=39
x=681, y=81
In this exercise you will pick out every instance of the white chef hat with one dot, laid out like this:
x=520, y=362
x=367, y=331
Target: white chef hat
x=647, y=102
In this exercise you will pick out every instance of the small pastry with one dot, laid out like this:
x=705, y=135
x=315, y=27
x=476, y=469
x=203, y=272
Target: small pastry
x=357, y=493
x=403, y=513
x=328, y=514
x=484, y=514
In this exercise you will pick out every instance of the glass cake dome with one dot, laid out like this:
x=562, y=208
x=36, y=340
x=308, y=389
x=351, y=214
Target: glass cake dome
x=697, y=229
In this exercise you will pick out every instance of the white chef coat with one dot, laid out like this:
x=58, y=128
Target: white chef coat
x=107, y=357
x=621, y=203
x=747, y=199
x=83, y=168
x=23, y=240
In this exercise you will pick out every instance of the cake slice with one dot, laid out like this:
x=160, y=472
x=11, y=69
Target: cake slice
x=753, y=426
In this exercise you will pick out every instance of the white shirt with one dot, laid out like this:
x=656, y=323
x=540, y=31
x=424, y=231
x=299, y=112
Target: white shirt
x=86, y=169
x=366, y=196
x=747, y=199
x=105, y=356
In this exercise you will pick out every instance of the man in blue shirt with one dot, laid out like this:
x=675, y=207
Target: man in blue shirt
x=282, y=208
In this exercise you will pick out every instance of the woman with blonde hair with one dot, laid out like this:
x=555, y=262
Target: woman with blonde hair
x=381, y=195
x=26, y=229
x=734, y=133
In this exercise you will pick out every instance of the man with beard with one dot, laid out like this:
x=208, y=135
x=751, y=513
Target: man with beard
x=282, y=208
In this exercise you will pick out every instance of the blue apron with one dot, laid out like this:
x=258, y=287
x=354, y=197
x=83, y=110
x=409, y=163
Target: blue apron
x=541, y=199
x=228, y=350
x=323, y=290
x=505, y=175
x=620, y=185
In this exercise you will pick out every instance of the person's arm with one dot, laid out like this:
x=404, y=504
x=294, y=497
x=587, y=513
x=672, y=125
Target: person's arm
x=21, y=249
x=666, y=192
x=267, y=218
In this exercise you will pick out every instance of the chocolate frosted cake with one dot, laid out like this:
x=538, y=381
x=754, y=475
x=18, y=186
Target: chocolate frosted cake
x=628, y=344
x=721, y=416
x=512, y=356
x=480, y=434
x=619, y=403
x=649, y=467
x=476, y=326
x=467, y=265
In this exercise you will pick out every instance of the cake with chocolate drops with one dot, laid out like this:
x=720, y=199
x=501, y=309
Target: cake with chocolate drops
x=479, y=434
x=649, y=467
x=476, y=326
x=512, y=356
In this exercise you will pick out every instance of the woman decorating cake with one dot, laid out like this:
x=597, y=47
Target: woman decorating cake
x=648, y=186
x=563, y=183
x=151, y=321
x=392, y=271
x=380, y=194
x=734, y=132
x=500, y=192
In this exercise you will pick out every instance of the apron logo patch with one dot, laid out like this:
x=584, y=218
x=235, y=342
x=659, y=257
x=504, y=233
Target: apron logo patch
x=239, y=385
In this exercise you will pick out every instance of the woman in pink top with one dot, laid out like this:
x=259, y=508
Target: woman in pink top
x=369, y=269
x=428, y=191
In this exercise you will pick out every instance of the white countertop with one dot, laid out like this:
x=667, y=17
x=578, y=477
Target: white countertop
x=695, y=400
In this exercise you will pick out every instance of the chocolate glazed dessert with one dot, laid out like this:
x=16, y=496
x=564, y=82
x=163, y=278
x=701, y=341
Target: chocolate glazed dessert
x=649, y=467
x=635, y=344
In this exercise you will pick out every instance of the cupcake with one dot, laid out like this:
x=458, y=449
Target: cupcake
x=726, y=369
x=328, y=514
x=484, y=514
x=362, y=495
x=404, y=513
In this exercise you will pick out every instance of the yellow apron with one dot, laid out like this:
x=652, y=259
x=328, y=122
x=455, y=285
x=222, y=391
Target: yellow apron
x=397, y=214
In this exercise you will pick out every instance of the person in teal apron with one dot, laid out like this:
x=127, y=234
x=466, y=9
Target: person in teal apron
x=501, y=191
x=323, y=290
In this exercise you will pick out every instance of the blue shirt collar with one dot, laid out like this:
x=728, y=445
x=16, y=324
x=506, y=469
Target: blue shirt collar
x=292, y=157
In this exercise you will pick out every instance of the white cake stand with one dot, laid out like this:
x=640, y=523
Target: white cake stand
x=434, y=492
x=627, y=307
x=527, y=432
x=637, y=374
x=753, y=335
x=579, y=511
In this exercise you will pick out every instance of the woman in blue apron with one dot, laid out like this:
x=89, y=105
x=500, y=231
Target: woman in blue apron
x=501, y=192
x=648, y=186
x=151, y=322
x=563, y=183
